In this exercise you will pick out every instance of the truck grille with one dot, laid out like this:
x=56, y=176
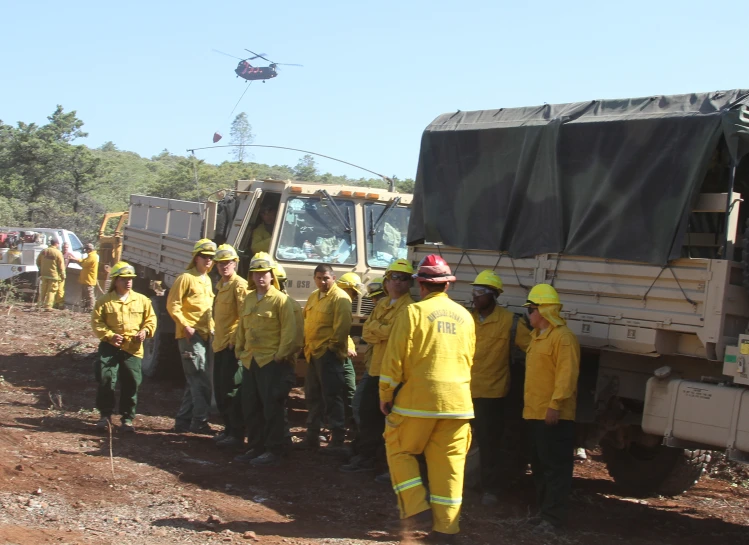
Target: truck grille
x=365, y=306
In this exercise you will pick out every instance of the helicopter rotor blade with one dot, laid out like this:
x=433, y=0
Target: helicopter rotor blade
x=287, y=64
x=221, y=52
x=259, y=56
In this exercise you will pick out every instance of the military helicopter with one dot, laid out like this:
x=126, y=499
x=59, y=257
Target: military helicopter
x=245, y=70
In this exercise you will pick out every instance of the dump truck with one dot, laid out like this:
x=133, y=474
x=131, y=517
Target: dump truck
x=351, y=228
x=634, y=210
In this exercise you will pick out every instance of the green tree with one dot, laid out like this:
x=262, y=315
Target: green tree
x=306, y=169
x=241, y=135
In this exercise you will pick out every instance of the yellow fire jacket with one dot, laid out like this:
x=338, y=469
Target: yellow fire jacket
x=229, y=301
x=267, y=329
x=89, y=269
x=378, y=326
x=51, y=264
x=552, y=364
x=327, y=321
x=490, y=375
x=190, y=303
x=260, y=239
x=430, y=352
x=112, y=316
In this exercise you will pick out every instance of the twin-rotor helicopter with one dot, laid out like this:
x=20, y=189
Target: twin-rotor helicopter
x=247, y=71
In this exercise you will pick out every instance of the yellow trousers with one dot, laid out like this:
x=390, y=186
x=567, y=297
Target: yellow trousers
x=444, y=443
x=60, y=297
x=49, y=292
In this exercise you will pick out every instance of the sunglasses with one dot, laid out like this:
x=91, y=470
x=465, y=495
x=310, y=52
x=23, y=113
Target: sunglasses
x=206, y=256
x=400, y=277
x=481, y=291
x=531, y=310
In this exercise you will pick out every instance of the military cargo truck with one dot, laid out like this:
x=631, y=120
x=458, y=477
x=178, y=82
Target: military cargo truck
x=351, y=228
x=634, y=210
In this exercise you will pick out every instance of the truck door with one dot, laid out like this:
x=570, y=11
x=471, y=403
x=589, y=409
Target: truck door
x=242, y=218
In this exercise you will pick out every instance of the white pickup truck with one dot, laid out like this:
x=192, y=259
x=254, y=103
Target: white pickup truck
x=19, y=248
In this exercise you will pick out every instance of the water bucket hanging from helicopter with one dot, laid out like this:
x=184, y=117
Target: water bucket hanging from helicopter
x=216, y=137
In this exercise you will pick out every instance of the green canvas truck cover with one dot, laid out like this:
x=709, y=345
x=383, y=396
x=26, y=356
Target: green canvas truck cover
x=607, y=178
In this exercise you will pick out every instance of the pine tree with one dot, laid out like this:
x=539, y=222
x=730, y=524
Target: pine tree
x=241, y=135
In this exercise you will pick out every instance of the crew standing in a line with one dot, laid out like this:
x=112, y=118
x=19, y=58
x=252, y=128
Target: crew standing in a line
x=497, y=331
x=51, y=267
x=327, y=321
x=227, y=372
x=190, y=305
x=122, y=319
x=552, y=365
x=266, y=338
x=376, y=332
x=429, y=353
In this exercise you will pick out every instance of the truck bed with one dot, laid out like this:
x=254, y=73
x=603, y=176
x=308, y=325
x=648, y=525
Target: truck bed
x=691, y=307
x=160, y=235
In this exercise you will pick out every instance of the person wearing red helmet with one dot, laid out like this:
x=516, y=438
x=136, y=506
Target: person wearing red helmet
x=428, y=358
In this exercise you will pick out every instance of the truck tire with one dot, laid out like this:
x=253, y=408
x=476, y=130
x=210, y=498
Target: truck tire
x=649, y=471
x=160, y=352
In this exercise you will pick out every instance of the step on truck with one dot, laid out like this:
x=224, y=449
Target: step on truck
x=353, y=229
x=634, y=210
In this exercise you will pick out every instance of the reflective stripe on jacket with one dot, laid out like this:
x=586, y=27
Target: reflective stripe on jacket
x=430, y=352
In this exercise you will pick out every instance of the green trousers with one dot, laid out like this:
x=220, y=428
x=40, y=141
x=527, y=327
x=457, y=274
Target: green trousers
x=552, y=464
x=227, y=383
x=113, y=365
x=264, y=393
x=349, y=376
x=325, y=390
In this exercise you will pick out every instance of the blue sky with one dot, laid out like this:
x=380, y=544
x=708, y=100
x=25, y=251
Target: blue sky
x=142, y=74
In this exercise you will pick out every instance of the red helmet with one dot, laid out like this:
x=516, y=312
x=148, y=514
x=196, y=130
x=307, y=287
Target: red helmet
x=434, y=269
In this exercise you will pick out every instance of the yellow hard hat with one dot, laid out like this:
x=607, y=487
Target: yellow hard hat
x=351, y=280
x=543, y=294
x=376, y=287
x=279, y=271
x=488, y=278
x=262, y=262
x=204, y=246
x=226, y=252
x=400, y=265
x=122, y=269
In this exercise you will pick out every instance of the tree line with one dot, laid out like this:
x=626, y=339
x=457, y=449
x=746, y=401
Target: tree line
x=48, y=179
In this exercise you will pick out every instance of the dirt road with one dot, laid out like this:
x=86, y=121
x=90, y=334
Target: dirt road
x=59, y=484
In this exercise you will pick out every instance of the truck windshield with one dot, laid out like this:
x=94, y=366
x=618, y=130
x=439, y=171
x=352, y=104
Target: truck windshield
x=386, y=233
x=312, y=231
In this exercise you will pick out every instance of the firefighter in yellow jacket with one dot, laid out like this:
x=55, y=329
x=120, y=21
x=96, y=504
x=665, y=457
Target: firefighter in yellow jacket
x=51, y=271
x=552, y=366
x=190, y=304
x=227, y=372
x=266, y=339
x=122, y=319
x=350, y=283
x=430, y=354
x=327, y=321
x=376, y=332
x=87, y=279
x=497, y=331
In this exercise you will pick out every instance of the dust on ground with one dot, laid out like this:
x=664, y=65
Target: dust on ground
x=60, y=485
